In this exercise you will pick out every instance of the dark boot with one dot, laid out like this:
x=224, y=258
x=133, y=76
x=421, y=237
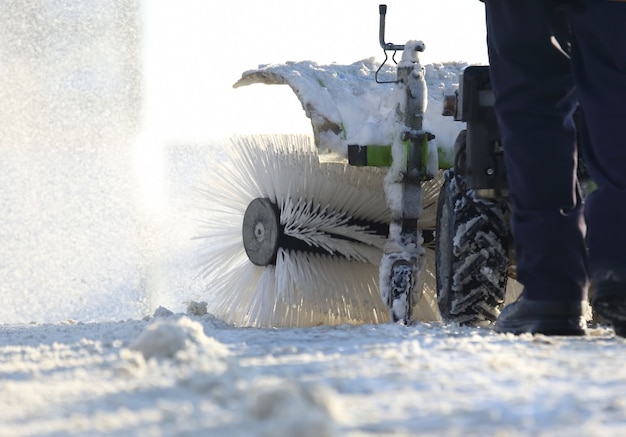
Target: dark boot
x=609, y=301
x=542, y=317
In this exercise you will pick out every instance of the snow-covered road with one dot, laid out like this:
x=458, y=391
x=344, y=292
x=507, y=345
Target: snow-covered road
x=194, y=375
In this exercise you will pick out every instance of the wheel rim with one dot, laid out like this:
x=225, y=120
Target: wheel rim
x=261, y=231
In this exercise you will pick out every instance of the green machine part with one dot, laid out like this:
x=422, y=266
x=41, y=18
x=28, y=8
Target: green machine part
x=380, y=156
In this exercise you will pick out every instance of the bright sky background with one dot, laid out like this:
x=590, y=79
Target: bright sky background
x=194, y=50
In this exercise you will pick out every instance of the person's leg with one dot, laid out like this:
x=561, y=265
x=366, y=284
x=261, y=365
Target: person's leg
x=535, y=102
x=599, y=60
x=599, y=65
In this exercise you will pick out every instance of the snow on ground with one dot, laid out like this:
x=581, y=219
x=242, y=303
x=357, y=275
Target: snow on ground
x=194, y=375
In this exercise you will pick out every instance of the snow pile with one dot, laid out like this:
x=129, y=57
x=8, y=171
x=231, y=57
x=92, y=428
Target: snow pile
x=169, y=336
x=265, y=405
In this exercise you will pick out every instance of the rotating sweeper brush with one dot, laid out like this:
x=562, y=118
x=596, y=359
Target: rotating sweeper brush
x=292, y=241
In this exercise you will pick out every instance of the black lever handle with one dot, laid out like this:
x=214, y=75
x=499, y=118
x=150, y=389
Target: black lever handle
x=382, y=10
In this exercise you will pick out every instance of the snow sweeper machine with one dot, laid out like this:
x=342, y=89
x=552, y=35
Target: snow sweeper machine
x=396, y=211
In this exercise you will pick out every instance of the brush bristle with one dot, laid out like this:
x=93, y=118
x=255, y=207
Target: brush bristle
x=314, y=199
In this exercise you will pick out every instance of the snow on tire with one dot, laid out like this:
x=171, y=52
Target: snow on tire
x=471, y=255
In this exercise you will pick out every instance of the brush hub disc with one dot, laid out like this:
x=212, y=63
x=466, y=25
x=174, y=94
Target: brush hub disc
x=261, y=231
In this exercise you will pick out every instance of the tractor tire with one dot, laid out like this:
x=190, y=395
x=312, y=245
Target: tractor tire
x=471, y=255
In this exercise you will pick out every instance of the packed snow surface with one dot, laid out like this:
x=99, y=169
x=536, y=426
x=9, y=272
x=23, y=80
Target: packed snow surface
x=194, y=375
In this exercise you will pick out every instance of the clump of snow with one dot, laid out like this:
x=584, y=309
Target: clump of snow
x=163, y=312
x=294, y=409
x=132, y=363
x=410, y=53
x=197, y=308
x=167, y=337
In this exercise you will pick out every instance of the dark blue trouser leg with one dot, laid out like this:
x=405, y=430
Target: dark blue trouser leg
x=599, y=66
x=535, y=102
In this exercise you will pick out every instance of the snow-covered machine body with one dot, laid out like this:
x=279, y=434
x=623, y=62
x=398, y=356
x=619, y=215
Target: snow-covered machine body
x=347, y=106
